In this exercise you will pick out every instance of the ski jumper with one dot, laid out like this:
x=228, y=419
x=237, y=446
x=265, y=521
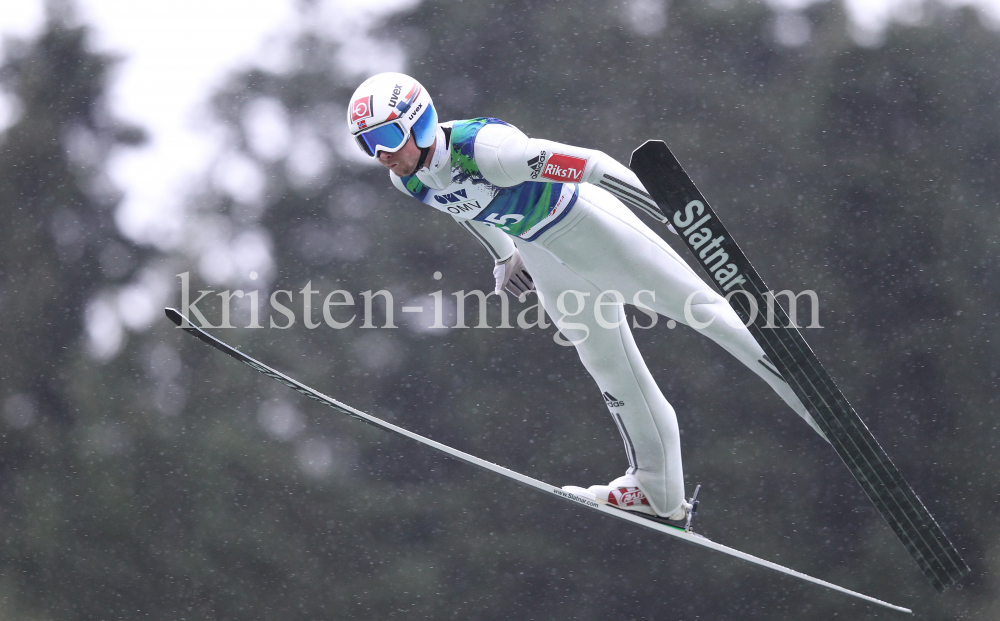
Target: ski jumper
x=563, y=208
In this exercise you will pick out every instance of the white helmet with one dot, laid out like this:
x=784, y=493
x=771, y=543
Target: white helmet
x=386, y=109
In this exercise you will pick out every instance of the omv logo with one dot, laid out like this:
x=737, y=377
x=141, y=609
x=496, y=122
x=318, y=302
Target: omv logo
x=455, y=197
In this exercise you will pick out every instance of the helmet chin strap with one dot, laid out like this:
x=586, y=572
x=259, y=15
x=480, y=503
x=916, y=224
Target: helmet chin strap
x=423, y=157
x=442, y=137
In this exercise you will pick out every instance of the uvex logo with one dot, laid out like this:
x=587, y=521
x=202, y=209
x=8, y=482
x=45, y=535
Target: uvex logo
x=564, y=168
x=395, y=95
x=415, y=111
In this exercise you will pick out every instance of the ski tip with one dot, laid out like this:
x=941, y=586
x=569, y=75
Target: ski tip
x=174, y=316
x=647, y=146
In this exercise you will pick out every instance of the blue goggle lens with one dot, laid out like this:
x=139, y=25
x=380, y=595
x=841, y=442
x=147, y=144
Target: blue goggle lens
x=388, y=137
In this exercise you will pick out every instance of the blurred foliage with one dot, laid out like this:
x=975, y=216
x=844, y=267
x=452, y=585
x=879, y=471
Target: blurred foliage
x=168, y=482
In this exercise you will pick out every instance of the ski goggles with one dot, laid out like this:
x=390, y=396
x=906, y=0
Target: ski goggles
x=389, y=137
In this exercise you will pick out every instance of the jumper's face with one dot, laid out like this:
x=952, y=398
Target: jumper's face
x=403, y=162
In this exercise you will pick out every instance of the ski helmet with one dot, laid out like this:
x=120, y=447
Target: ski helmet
x=386, y=109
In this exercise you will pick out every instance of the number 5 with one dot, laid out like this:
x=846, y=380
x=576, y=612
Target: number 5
x=501, y=221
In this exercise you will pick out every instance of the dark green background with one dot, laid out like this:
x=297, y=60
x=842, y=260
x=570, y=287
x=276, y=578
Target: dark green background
x=145, y=487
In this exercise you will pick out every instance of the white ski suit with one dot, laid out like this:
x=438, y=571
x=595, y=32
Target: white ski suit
x=562, y=208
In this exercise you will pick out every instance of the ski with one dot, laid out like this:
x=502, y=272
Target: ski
x=793, y=359
x=648, y=522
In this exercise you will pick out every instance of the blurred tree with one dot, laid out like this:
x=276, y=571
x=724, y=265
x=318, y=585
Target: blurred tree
x=60, y=242
x=60, y=248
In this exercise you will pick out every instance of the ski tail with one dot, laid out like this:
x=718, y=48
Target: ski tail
x=688, y=210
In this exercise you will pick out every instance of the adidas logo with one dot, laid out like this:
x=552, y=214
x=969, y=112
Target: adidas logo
x=612, y=402
x=536, y=164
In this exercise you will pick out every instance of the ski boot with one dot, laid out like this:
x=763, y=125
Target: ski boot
x=626, y=494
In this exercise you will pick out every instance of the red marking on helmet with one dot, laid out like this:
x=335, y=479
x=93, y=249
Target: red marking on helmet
x=361, y=108
x=412, y=95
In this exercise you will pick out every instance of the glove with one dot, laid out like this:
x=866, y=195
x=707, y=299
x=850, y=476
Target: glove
x=511, y=275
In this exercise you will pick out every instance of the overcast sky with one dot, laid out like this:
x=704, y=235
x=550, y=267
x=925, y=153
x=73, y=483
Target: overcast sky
x=176, y=53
